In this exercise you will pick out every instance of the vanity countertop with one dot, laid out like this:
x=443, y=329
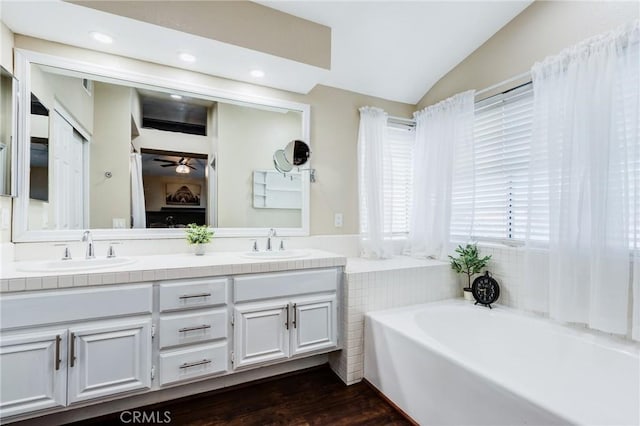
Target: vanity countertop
x=162, y=267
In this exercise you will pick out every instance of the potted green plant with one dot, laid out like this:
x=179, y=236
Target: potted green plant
x=468, y=262
x=199, y=235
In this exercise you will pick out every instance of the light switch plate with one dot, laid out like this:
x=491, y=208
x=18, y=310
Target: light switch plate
x=337, y=220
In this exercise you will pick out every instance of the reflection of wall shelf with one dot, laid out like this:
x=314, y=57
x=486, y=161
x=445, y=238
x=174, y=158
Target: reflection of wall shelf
x=273, y=190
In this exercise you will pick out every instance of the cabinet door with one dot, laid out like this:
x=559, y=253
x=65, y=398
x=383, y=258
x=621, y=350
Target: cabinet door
x=109, y=358
x=314, y=324
x=33, y=374
x=261, y=333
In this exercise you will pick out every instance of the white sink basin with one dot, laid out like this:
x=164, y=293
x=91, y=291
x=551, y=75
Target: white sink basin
x=74, y=264
x=275, y=254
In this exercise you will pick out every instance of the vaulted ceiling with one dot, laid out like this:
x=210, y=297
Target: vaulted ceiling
x=395, y=50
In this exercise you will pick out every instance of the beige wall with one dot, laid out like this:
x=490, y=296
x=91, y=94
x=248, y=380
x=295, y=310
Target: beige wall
x=109, y=150
x=247, y=139
x=542, y=29
x=242, y=23
x=6, y=47
x=68, y=91
x=334, y=128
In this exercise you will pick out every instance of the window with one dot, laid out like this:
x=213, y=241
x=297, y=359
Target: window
x=494, y=198
x=398, y=182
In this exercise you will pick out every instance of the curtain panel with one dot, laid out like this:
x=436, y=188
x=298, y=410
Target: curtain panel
x=444, y=148
x=138, y=215
x=584, y=179
x=375, y=215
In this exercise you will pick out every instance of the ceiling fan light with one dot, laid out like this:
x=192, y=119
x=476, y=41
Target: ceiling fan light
x=182, y=169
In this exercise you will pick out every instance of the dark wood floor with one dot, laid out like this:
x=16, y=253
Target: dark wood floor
x=312, y=397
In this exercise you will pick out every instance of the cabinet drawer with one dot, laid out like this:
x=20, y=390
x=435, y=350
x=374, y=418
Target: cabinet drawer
x=55, y=306
x=192, y=294
x=266, y=286
x=191, y=363
x=179, y=329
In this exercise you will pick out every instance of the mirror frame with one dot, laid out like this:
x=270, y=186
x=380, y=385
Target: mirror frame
x=23, y=61
x=14, y=141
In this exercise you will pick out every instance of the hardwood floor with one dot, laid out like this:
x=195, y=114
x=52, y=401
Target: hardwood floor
x=312, y=397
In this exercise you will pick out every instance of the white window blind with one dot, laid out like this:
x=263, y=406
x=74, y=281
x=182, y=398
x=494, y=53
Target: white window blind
x=493, y=195
x=398, y=180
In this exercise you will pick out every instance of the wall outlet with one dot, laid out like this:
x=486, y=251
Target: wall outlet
x=337, y=220
x=119, y=223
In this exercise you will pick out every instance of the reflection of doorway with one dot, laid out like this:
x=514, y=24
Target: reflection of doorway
x=68, y=174
x=175, y=188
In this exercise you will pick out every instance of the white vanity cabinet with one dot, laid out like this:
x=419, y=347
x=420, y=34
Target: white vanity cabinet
x=109, y=358
x=44, y=366
x=298, y=317
x=34, y=376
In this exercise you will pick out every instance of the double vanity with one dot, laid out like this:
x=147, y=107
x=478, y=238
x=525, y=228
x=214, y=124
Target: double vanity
x=99, y=332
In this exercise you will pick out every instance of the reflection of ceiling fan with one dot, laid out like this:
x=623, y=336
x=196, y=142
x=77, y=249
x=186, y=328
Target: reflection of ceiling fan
x=182, y=165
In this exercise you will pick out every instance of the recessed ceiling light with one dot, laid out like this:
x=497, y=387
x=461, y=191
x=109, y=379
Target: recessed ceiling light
x=102, y=38
x=187, y=57
x=174, y=96
x=257, y=73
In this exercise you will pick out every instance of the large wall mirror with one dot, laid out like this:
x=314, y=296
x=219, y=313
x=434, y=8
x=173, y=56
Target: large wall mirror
x=8, y=113
x=132, y=156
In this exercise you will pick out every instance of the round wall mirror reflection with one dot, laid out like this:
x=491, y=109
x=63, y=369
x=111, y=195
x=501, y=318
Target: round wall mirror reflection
x=297, y=152
x=280, y=162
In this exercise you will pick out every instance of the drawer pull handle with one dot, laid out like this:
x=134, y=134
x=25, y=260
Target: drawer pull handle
x=295, y=315
x=190, y=296
x=194, y=364
x=58, y=360
x=286, y=324
x=72, y=354
x=200, y=327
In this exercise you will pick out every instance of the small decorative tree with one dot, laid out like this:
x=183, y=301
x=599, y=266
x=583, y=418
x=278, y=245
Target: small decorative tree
x=468, y=262
x=199, y=235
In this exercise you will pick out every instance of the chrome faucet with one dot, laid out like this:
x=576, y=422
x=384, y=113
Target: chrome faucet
x=272, y=233
x=86, y=237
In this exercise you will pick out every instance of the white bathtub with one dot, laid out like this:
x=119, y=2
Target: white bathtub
x=452, y=363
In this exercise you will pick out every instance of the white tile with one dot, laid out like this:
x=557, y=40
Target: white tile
x=34, y=283
x=65, y=281
x=122, y=277
x=80, y=280
x=95, y=279
x=4, y=285
x=108, y=278
x=49, y=282
x=135, y=276
x=161, y=274
x=148, y=275
x=17, y=284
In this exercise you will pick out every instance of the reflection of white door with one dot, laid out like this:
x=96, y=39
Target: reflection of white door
x=3, y=171
x=67, y=189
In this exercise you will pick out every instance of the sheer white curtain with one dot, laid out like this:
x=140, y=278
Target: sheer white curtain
x=583, y=177
x=375, y=215
x=443, y=149
x=137, y=192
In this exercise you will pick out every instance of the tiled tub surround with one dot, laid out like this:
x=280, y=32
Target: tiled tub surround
x=371, y=285
x=161, y=267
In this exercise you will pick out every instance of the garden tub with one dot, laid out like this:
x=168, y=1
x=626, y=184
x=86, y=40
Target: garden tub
x=453, y=363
